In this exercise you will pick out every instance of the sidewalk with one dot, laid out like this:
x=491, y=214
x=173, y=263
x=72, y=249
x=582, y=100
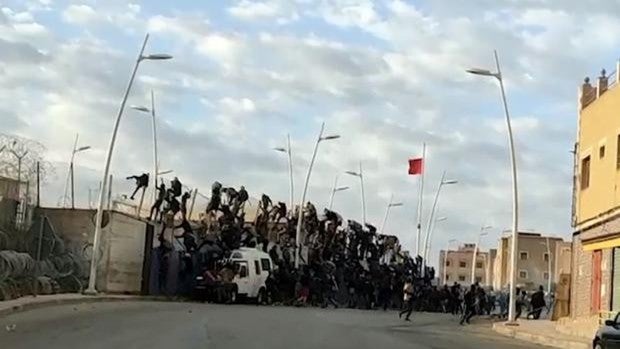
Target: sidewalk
x=32, y=302
x=542, y=332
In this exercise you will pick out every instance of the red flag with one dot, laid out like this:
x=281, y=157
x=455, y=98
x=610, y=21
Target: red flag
x=416, y=166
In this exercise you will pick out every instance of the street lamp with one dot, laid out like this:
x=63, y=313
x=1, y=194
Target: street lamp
x=154, y=127
x=300, y=215
x=70, y=174
x=287, y=151
x=335, y=189
x=437, y=220
x=445, y=260
x=387, y=211
x=97, y=235
x=473, y=262
x=72, y=169
x=360, y=174
x=515, y=196
x=429, y=228
x=548, y=264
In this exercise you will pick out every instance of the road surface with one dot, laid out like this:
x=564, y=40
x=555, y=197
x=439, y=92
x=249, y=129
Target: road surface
x=165, y=325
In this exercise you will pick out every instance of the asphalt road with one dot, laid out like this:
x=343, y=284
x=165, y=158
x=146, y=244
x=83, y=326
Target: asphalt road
x=164, y=325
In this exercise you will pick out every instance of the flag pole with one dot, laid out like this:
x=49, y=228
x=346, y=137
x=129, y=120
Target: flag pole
x=419, y=226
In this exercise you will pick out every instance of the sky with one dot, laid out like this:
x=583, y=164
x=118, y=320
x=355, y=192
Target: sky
x=387, y=76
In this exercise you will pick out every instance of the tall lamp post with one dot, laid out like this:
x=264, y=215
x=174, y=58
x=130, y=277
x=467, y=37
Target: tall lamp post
x=287, y=151
x=70, y=174
x=335, y=189
x=473, y=262
x=360, y=174
x=445, y=260
x=515, y=197
x=387, y=211
x=430, y=240
x=300, y=214
x=429, y=228
x=97, y=235
x=154, y=127
x=72, y=170
x=546, y=244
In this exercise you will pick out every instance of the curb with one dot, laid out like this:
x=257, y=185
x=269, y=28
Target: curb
x=71, y=301
x=540, y=338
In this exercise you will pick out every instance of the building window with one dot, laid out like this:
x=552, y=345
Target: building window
x=546, y=276
x=546, y=257
x=447, y=263
x=479, y=265
x=461, y=277
x=618, y=153
x=447, y=277
x=257, y=267
x=585, y=172
x=601, y=152
x=523, y=274
x=463, y=264
x=478, y=279
x=523, y=256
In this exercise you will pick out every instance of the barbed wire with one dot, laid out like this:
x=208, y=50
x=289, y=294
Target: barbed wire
x=30, y=151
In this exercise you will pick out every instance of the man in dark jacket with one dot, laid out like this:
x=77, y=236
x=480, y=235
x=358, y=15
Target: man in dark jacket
x=142, y=181
x=538, y=303
x=470, y=300
x=161, y=194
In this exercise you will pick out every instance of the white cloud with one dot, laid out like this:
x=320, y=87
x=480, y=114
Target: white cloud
x=247, y=9
x=243, y=105
x=283, y=11
x=186, y=28
x=349, y=12
x=80, y=14
x=225, y=48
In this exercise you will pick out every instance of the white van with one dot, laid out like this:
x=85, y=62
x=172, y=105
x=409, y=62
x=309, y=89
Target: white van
x=253, y=267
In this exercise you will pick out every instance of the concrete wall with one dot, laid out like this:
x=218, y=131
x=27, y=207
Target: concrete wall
x=124, y=254
x=563, y=253
x=122, y=245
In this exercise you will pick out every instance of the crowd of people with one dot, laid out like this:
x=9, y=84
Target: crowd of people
x=342, y=265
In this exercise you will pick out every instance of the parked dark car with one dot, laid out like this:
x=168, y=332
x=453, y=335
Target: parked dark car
x=608, y=335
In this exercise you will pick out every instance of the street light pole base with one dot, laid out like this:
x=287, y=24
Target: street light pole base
x=90, y=292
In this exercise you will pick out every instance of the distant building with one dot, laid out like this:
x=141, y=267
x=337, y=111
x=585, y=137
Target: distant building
x=457, y=265
x=535, y=265
x=595, y=281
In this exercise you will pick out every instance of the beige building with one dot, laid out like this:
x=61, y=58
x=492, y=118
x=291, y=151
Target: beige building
x=595, y=281
x=457, y=266
x=537, y=262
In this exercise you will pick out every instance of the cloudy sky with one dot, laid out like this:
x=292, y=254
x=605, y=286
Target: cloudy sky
x=385, y=75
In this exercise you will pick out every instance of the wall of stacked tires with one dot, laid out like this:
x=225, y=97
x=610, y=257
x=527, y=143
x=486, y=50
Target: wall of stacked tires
x=36, y=260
